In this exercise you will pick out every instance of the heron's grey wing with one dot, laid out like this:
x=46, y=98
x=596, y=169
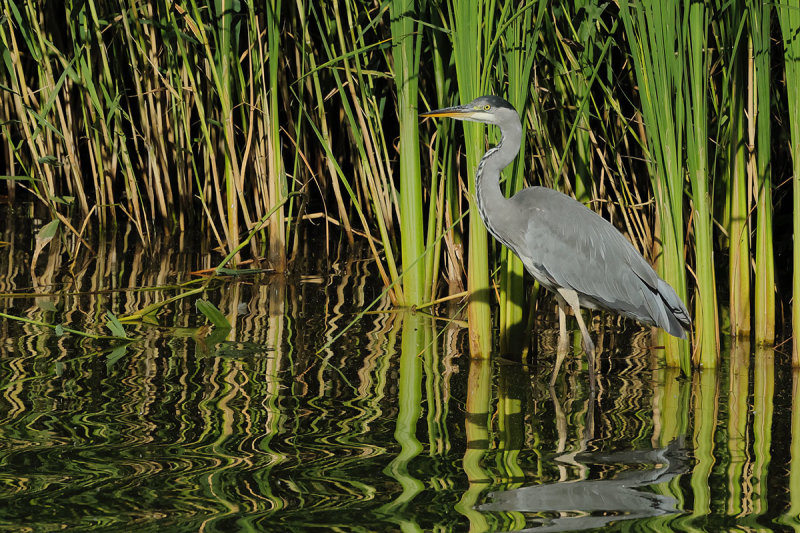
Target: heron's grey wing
x=579, y=250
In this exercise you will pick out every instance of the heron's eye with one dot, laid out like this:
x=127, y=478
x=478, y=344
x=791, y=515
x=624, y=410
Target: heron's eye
x=487, y=107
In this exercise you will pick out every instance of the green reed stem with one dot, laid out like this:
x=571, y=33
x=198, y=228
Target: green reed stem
x=696, y=26
x=738, y=204
x=519, y=53
x=276, y=175
x=219, y=61
x=760, y=136
x=406, y=46
x=470, y=22
x=789, y=17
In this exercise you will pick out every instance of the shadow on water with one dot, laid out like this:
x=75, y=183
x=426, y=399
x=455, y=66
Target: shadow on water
x=391, y=427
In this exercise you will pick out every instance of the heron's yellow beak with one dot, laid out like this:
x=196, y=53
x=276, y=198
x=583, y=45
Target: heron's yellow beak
x=459, y=111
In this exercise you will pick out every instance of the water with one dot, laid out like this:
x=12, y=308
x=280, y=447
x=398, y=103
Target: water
x=389, y=427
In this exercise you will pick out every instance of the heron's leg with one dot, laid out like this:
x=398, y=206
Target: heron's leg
x=571, y=297
x=563, y=341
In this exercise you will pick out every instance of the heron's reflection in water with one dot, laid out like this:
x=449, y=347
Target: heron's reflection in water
x=594, y=503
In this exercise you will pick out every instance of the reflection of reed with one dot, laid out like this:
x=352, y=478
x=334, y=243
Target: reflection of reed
x=791, y=516
x=705, y=400
x=512, y=391
x=763, y=409
x=476, y=432
x=177, y=418
x=409, y=402
x=193, y=429
x=739, y=481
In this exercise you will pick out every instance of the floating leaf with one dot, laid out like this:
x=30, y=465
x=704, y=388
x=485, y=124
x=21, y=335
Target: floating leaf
x=115, y=326
x=213, y=314
x=59, y=329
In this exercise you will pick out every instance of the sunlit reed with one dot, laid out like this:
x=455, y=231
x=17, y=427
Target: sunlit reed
x=759, y=14
x=188, y=118
x=789, y=17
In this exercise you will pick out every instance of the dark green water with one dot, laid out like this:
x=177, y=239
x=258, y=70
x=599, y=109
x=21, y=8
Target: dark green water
x=390, y=428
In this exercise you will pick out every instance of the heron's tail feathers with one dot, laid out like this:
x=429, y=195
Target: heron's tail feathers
x=675, y=319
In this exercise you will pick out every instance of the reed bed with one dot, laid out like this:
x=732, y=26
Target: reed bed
x=193, y=118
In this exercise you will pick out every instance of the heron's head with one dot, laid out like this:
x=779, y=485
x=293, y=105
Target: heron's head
x=487, y=109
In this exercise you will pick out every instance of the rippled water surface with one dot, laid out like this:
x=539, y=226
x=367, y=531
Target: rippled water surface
x=289, y=422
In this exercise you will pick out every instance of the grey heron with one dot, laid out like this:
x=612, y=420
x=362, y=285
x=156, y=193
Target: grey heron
x=570, y=250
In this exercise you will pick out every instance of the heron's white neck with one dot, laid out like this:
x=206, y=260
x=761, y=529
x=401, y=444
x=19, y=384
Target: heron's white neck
x=488, y=195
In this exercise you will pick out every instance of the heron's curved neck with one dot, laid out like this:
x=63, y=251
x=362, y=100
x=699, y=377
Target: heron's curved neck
x=489, y=197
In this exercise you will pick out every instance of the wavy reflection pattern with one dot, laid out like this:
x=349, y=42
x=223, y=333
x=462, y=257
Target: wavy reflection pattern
x=299, y=419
